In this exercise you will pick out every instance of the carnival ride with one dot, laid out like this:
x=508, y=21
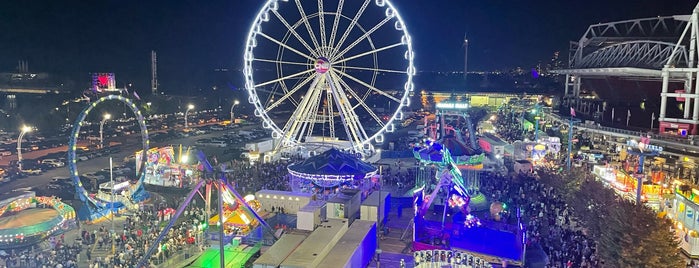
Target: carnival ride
x=169, y=168
x=329, y=171
x=464, y=233
x=349, y=71
x=467, y=154
x=22, y=224
x=236, y=222
x=226, y=194
x=94, y=209
x=457, y=196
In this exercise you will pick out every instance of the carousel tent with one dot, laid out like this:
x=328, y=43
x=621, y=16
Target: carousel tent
x=333, y=162
x=329, y=169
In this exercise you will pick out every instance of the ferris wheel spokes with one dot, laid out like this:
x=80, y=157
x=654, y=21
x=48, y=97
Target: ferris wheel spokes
x=360, y=101
x=347, y=114
x=352, y=24
x=299, y=118
x=292, y=30
x=281, y=62
x=283, y=78
x=308, y=24
x=358, y=40
x=368, y=53
x=331, y=113
x=321, y=22
x=289, y=93
x=336, y=21
x=373, y=69
x=368, y=86
x=281, y=44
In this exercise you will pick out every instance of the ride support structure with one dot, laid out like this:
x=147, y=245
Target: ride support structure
x=94, y=209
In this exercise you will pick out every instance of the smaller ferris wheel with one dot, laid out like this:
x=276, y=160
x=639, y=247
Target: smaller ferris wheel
x=340, y=70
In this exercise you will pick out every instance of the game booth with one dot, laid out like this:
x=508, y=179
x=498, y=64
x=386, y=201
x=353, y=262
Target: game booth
x=164, y=168
x=29, y=220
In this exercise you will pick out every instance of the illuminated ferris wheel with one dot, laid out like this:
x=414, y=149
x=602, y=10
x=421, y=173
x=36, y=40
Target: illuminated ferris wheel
x=340, y=70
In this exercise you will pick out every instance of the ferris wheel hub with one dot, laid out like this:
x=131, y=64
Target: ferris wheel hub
x=322, y=65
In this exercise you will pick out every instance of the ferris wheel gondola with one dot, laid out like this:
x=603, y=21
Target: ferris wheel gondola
x=310, y=66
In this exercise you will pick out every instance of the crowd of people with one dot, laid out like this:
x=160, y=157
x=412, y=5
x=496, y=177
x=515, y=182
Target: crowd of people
x=509, y=124
x=60, y=255
x=139, y=232
x=252, y=177
x=399, y=174
x=547, y=219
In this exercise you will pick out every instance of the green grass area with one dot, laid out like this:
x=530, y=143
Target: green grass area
x=234, y=257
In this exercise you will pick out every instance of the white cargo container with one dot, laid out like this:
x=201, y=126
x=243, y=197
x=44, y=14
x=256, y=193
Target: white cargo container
x=354, y=249
x=310, y=215
x=260, y=146
x=374, y=207
x=276, y=254
x=316, y=247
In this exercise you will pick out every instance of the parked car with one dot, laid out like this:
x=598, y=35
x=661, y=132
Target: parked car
x=32, y=171
x=53, y=162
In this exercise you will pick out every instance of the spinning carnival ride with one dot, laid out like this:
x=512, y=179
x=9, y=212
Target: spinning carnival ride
x=328, y=171
x=329, y=68
x=457, y=196
x=21, y=225
x=94, y=209
x=239, y=215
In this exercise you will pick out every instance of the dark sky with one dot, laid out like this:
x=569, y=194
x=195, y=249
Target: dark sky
x=78, y=36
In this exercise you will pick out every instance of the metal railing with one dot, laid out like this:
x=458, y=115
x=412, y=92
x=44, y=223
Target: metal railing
x=669, y=141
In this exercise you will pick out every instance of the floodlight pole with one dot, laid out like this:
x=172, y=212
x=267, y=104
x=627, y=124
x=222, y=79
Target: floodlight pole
x=570, y=142
x=379, y=222
x=220, y=221
x=639, y=175
x=536, y=123
x=111, y=181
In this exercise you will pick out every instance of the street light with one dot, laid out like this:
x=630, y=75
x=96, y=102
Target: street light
x=105, y=117
x=25, y=129
x=236, y=102
x=189, y=107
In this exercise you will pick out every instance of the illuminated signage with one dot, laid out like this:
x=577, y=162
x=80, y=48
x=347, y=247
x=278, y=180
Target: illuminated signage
x=452, y=105
x=103, y=82
x=644, y=146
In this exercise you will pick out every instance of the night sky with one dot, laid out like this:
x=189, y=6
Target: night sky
x=194, y=37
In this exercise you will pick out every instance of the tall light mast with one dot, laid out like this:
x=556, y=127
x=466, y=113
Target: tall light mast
x=154, y=72
x=465, y=56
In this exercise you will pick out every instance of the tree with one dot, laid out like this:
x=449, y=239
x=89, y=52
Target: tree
x=627, y=235
x=635, y=237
